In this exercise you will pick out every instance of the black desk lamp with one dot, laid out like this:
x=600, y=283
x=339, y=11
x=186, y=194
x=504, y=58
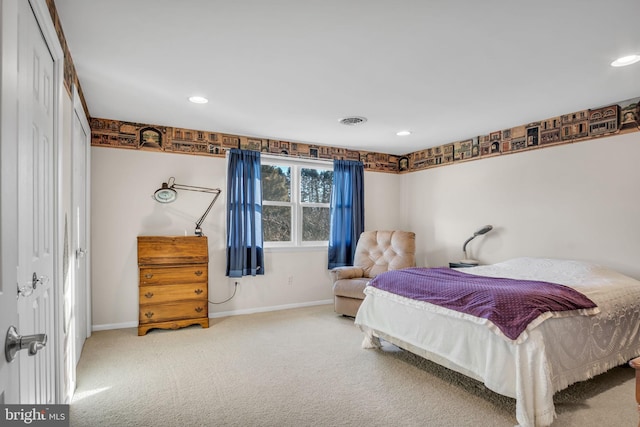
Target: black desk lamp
x=470, y=261
x=167, y=194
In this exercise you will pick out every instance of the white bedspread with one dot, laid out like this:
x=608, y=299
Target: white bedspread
x=558, y=352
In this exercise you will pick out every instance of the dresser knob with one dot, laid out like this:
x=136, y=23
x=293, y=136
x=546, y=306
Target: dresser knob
x=148, y=276
x=198, y=273
x=149, y=314
x=148, y=294
x=198, y=291
x=199, y=309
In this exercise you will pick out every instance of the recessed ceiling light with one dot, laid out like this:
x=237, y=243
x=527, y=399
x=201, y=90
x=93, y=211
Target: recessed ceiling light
x=198, y=99
x=625, y=60
x=403, y=133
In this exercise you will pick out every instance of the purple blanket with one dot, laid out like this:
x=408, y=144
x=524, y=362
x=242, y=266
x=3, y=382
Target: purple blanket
x=510, y=304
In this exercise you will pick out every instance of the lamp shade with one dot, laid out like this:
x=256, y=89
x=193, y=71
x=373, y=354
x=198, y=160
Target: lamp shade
x=483, y=230
x=165, y=194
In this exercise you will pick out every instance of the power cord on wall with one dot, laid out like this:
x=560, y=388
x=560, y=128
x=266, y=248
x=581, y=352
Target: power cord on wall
x=235, y=288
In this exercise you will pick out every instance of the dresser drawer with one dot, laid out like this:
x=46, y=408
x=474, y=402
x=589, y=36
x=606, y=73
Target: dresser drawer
x=173, y=311
x=168, y=293
x=196, y=273
x=158, y=250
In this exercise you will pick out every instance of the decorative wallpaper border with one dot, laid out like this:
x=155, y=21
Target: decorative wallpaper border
x=138, y=136
x=620, y=118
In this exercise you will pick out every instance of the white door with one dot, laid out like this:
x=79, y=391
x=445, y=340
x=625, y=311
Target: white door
x=75, y=295
x=36, y=192
x=27, y=198
x=81, y=141
x=9, y=377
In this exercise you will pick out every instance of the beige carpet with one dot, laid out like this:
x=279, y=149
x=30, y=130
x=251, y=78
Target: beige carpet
x=301, y=367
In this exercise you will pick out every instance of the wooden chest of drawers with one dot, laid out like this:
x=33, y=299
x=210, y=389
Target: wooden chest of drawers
x=173, y=283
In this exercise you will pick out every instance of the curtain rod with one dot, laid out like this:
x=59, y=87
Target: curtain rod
x=275, y=156
x=293, y=158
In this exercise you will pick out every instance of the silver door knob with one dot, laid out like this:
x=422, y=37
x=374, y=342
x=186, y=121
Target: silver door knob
x=14, y=343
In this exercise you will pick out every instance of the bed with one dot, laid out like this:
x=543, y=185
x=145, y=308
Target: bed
x=553, y=352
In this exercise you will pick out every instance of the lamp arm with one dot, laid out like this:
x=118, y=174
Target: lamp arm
x=464, y=247
x=204, y=215
x=215, y=191
x=193, y=188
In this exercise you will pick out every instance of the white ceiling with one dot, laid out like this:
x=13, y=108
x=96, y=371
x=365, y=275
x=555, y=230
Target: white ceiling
x=290, y=69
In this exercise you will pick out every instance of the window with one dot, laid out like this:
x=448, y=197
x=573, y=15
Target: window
x=295, y=202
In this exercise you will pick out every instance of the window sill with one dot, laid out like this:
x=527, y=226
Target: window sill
x=296, y=249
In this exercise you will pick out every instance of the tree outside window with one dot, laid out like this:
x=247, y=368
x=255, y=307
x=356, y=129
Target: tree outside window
x=296, y=200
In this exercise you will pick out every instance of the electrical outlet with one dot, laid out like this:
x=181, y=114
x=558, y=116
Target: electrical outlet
x=290, y=280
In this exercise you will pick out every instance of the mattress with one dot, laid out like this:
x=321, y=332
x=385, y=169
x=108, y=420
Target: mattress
x=555, y=353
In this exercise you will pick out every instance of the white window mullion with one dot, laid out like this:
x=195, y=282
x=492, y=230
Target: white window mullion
x=295, y=179
x=297, y=207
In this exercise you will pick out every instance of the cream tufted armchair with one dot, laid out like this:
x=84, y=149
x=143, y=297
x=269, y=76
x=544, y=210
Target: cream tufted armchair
x=376, y=252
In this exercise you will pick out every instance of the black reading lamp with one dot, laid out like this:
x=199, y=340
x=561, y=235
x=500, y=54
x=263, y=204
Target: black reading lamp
x=482, y=231
x=167, y=194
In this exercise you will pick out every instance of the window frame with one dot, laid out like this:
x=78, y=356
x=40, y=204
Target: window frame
x=296, y=165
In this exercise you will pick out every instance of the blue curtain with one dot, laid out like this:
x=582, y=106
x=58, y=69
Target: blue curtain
x=347, y=211
x=245, y=254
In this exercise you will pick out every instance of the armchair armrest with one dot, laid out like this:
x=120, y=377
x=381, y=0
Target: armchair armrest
x=348, y=272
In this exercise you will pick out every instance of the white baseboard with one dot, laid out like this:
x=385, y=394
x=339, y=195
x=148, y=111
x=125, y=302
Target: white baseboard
x=125, y=325
x=265, y=309
x=108, y=326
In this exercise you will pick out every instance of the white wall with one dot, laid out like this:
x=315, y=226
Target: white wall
x=578, y=201
x=122, y=208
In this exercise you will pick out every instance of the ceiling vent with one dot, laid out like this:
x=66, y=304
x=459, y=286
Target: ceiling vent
x=352, y=121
